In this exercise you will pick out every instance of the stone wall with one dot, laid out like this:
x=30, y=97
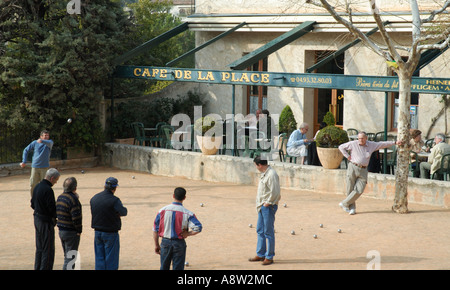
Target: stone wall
x=224, y=168
x=15, y=169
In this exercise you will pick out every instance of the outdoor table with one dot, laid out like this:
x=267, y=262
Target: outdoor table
x=151, y=131
x=388, y=151
x=423, y=156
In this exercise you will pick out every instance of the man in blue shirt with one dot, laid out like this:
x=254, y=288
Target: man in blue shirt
x=41, y=149
x=297, y=143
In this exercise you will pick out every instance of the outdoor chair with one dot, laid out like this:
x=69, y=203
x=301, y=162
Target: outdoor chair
x=166, y=135
x=370, y=136
x=139, y=134
x=157, y=139
x=244, y=140
x=192, y=141
x=391, y=162
x=429, y=143
x=352, y=132
x=414, y=165
x=228, y=139
x=284, y=156
x=445, y=168
x=255, y=139
x=379, y=136
x=275, y=149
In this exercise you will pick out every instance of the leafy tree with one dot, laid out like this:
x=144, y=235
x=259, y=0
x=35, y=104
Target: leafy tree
x=151, y=19
x=55, y=65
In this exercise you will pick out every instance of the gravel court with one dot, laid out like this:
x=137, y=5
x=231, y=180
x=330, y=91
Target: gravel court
x=418, y=240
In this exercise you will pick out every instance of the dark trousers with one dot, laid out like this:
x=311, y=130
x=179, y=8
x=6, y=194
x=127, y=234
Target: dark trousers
x=70, y=241
x=173, y=251
x=45, y=244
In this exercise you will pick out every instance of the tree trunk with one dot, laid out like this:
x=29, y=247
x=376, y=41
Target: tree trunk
x=404, y=119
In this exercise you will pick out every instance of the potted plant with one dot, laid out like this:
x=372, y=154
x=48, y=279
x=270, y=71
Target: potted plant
x=207, y=138
x=286, y=125
x=328, y=140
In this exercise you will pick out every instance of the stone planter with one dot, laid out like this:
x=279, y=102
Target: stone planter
x=209, y=145
x=330, y=158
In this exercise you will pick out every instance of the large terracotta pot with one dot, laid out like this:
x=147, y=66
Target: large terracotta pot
x=330, y=158
x=209, y=145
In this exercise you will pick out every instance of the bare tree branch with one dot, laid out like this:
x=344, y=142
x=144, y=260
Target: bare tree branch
x=442, y=45
x=384, y=34
x=353, y=29
x=436, y=12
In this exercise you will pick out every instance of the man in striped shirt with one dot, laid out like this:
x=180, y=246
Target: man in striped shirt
x=172, y=224
x=68, y=212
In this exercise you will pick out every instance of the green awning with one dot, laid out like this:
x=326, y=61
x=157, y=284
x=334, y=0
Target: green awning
x=427, y=57
x=151, y=43
x=272, y=46
x=206, y=44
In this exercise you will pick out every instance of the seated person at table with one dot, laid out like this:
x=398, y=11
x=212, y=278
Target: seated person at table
x=252, y=119
x=265, y=124
x=434, y=160
x=297, y=143
x=416, y=141
x=416, y=145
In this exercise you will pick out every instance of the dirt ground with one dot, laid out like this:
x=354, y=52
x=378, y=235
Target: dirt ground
x=418, y=240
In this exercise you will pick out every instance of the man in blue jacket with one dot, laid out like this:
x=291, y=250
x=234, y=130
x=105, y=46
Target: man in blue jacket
x=106, y=210
x=41, y=149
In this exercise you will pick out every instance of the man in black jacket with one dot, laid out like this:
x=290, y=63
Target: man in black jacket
x=106, y=210
x=43, y=203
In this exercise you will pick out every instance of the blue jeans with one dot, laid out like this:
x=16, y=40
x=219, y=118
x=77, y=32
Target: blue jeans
x=107, y=247
x=265, y=246
x=173, y=251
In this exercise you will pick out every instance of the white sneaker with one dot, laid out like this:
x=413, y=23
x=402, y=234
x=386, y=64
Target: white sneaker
x=346, y=209
x=352, y=212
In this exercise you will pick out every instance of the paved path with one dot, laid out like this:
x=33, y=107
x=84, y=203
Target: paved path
x=418, y=240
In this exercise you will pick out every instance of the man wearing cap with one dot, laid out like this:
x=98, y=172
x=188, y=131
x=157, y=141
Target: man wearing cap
x=106, y=210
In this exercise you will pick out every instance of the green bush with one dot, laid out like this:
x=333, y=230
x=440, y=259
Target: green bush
x=331, y=136
x=83, y=133
x=202, y=125
x=287, y=123
x=329, y=119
